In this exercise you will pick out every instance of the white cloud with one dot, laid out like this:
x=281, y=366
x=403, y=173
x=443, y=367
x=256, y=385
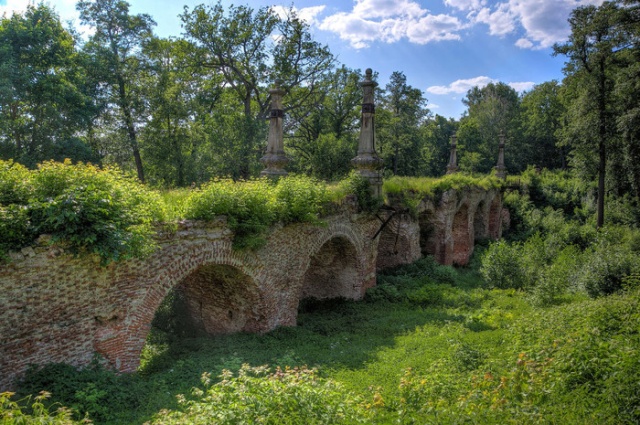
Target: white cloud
x=463, y=86
x=543, y=22
x=387, y=8
x=524, y=43
x=433, y=28
x=390, y=21
x=433, y=106
x=306, y=14
x=460, y=86
x=465, y=4
x=501, y=21
x=523, y=86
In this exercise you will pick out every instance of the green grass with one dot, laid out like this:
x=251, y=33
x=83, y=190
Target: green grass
x=428, y=345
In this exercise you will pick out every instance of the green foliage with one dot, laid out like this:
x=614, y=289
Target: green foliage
x=358, y=186
x=84, y=208
x=252, y=206
x=44, y=94
x=410, y=191
x=93, y=391
x=259, y=395
x=19, y=413
x=604, y=268
x=502, y=266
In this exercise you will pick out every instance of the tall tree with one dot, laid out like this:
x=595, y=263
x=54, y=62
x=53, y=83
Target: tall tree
x=627, y=93
x=435, y=152
x=590, y=75
x=251, y=49
x=178, y=98
x=492, y=110
x=42, y=104
x=116, y=46
x=322, y=140
x=542, y=112
x=402, y=112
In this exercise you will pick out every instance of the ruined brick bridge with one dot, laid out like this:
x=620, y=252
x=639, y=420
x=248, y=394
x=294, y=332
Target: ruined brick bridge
x=60, y=308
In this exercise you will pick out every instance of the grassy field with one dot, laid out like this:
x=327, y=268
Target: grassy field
x=429, y=345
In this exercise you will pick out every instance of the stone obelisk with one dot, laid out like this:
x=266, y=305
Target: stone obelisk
x=368, y=163
x=275, y=159
x=453, y=158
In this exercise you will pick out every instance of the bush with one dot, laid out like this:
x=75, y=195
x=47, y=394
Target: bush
x=604, y=268
x=252, y=206
x=258, y=395
x=556, y=279
x=502, y=267
x=84, y=208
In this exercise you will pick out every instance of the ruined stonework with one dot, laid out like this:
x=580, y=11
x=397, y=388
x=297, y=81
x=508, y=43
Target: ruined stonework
x=57, y=308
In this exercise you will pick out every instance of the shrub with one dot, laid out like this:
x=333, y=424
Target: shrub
x=556, y=279
x=502, y=267
x=300, y=199
x=15, y=183
x=604, y=268
x=252, y=206
x=359, y=186
x=258, y=395
x=84, y=208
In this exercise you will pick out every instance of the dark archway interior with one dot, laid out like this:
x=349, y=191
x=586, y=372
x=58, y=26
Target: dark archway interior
x=332, y=271
x=428, y=239
x=214, y=299
x=479, y=223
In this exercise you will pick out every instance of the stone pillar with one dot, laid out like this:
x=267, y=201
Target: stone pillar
x=368, y=163
x=501, y=170
x=453, y=159
x=275, y=159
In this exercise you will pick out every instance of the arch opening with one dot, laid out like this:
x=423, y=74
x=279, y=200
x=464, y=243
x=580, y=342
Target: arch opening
x=332, y=272
x=462, y=241
x=214, y=299
x=480, y=223
x=428, y=237
x=394, y=247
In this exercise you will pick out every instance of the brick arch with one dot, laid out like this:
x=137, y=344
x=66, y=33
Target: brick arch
x=397, y=243
x=462, y=236
x=121, y=342
x=335, y=265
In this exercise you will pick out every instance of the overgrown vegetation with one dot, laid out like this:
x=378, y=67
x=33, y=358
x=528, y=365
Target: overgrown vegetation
x=91, y=210
x=554, y=247
x=409, y=191
x=541, y=328
x=85, y=209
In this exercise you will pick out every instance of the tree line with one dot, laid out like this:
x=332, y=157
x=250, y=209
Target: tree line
x=183, y=110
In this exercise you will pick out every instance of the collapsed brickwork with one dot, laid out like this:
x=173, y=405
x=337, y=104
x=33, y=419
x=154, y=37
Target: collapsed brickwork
x=57, y=308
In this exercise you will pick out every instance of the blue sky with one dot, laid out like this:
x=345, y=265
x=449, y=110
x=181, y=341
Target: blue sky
x=444, y=47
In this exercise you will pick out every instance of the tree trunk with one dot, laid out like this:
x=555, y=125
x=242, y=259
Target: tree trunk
x=602, y=138
x=131, y=130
